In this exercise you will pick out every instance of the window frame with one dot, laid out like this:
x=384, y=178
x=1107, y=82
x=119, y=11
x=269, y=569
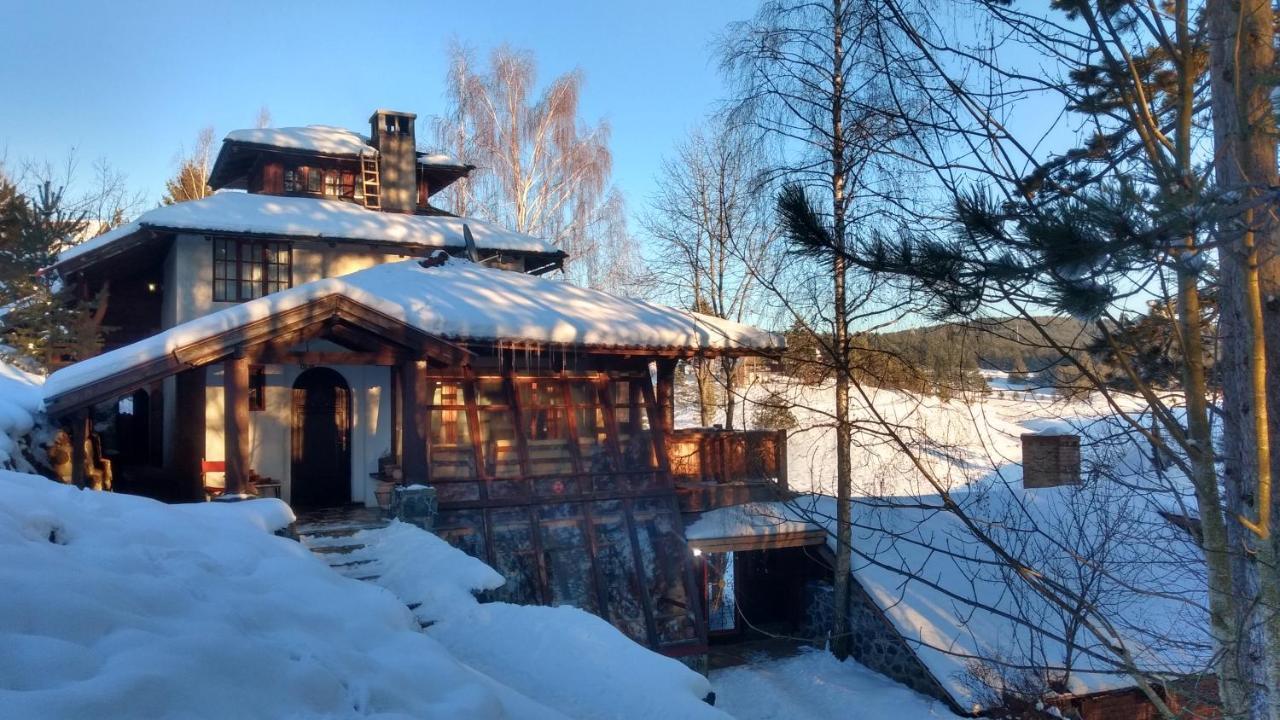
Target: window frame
x=233, y=269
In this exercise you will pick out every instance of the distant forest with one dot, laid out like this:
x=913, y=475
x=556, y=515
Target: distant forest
x=947, y=358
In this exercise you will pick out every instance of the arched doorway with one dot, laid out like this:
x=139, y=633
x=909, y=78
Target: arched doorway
x=321, y=445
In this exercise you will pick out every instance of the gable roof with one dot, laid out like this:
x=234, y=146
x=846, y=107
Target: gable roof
x=457, y=300
x=309, y=218
x=239, y=146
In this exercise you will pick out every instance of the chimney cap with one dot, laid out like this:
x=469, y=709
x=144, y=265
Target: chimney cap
x=397, y=113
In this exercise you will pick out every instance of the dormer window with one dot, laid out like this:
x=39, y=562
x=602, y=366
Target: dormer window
x=248, y=269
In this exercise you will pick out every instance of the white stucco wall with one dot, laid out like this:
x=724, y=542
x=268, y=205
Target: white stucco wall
x=189, y=272
x=269, y=429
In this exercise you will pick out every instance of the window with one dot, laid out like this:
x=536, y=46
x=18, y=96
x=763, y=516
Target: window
x=546, y=421
x=248, y=269
x=499, y=450
x=314, y=177
x=292, y=180
x=257, y=388
x=348, y=184
x=331, y=183
x=451, y=459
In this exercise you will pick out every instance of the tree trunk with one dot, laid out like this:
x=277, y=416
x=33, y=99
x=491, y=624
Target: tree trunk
x=844, y=436
x=729, y=365
x=706, y=392
x=1241, y=58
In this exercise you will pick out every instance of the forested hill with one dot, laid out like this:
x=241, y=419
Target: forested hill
x=1009, y=345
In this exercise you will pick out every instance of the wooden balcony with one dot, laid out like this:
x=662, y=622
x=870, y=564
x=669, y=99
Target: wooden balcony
x=717, y=468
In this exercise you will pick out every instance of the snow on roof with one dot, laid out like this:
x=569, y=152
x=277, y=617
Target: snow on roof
x=955, y=604
x=462, y=301
x=325, y=139
x=297, y=217
x=329, y=140
x=439, y=158
x=757, y=519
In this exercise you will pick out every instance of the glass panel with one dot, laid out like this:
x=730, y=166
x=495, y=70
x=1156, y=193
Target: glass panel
x=452, y=455
x=490, y=391
x=664, y=555
x=513, y=555
x=722, y=604
x=453, y=491
x=313, y=179
x=567, y=558
x=445, y=392
x=615, y=559
x=463, y=529
x=498, y=443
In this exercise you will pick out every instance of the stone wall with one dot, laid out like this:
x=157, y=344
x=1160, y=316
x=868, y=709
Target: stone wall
x=876, y=643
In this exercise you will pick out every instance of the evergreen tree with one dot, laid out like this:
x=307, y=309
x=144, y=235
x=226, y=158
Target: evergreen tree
x=42, y=324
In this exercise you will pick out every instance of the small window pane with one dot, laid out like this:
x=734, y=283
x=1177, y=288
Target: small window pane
x=314, y=177
x=452, y=455
x=615, y=559
x=498, y=444
x=514, y=555
x=567, y=558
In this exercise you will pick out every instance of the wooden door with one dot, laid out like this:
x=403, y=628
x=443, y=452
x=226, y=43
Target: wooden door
x=321, y=445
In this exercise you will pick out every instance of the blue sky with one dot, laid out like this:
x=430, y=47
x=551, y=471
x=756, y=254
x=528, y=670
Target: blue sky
x=133, y=82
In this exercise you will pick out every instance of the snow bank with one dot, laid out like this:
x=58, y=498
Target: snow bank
x=115, y=606
x=816, y=686
x=20, y=400
x=566, y=658
x=314, y=218
x=457, y=300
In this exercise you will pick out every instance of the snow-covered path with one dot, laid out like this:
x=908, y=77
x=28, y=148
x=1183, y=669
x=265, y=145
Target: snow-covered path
x=815, y=686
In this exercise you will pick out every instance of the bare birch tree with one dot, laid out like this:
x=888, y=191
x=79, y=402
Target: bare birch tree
x=191, y=181
x=541, y=170
x=712, y=235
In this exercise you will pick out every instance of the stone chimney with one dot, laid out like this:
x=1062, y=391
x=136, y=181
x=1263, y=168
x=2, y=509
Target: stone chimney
x=392, y=134
x=1050, y=459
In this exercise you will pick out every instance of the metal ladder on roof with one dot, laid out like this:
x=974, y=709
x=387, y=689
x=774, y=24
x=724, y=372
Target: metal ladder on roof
x=370, y=183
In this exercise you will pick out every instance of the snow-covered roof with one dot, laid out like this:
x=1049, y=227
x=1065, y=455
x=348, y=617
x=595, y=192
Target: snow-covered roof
x=326, y=139
x=296, y=217
x=458, y=300
x=750, y=520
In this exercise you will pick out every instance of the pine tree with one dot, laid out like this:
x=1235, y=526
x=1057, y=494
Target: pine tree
x=43, y=324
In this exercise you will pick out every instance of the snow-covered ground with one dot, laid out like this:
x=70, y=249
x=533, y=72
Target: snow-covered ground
x=962, y=440
x=816, y=686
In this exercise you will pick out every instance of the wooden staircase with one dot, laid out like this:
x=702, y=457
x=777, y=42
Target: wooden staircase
x=370, y=182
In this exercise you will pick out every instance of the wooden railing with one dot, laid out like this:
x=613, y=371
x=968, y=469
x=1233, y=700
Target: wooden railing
x=728, y=456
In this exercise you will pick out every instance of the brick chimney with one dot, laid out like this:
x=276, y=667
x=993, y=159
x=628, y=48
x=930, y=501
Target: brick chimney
x=1050, y=459
x=392, y=134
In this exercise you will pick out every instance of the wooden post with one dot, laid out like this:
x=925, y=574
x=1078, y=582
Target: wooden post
x=395, y=399
x=667, y=394
x=413, y=384
x=79, y=439
x=189, y=427
x=235, y=388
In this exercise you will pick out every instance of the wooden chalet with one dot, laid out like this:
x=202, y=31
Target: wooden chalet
x=283, y=337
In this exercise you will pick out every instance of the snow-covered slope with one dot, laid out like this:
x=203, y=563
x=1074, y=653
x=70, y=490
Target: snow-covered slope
x=119, y=606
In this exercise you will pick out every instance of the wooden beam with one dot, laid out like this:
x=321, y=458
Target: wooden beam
x=285, y=356
x=667, y=394
x=235, y=388
x=79, y=440
x=189, y=427
x=798, y=538
x=417, y=421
